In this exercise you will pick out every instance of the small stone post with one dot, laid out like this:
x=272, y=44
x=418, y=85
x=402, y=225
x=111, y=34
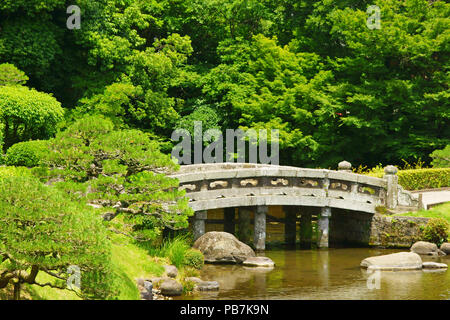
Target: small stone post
x=345, y=166
x=290, y=227
x=199, y=223
x=229, y=224
x=323, y=227
x=390, y=175
x=260, y=228
x=422, y=206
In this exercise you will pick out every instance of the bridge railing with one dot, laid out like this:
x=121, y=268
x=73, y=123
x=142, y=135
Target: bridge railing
x=228, y=183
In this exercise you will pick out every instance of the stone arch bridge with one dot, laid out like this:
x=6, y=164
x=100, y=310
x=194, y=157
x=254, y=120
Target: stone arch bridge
x=255, y=187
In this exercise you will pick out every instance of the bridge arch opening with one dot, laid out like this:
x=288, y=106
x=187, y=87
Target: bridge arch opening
x=290, y=226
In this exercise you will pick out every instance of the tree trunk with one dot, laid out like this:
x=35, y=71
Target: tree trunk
x=17, y=291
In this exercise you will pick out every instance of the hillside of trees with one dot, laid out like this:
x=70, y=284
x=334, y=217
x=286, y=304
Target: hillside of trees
x=335, y=88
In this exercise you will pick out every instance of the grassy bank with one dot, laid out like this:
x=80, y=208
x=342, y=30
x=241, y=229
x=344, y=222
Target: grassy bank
x=440, y=211
x=132, y=262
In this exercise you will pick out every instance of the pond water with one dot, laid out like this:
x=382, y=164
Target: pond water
x=324, y=274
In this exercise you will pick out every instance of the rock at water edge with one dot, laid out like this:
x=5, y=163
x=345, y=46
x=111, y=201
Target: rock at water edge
x=394, y=261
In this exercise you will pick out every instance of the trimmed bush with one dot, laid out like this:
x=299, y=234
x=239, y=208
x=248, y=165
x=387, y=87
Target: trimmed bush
x=27, y=114
x=419, y=179
x=194, y=258
x=436, y=231
x=10, y=75
x=26, y=154
x=414, y=179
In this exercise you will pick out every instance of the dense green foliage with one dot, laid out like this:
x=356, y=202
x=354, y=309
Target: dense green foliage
x=335, y=88
x=41, y=230
x=27, y=154
x=436, y=231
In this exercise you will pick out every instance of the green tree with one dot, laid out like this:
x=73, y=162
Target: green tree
x=122, y=171
x=441, y=158
x=141, y=99
x=261, y=85
x=42, y=231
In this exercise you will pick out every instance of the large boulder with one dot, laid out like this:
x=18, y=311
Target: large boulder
x=259, y=262
x=394, y=261
x=445, y=247
x=223, y=247
x=426, y=248
x=170, y=287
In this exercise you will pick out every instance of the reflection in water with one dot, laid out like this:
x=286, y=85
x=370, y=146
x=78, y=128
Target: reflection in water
x=323, y=274
x=322, y=267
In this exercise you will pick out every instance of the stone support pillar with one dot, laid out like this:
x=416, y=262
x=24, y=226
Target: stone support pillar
x=260, y=228
x=199, y=223
x=323, y=227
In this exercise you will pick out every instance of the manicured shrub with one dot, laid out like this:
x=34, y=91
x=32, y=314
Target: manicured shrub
x=194, y=258
x=419, y=179
x=436, y=231
x=10, y=75
x=27, y=114
x=414, y=179
x=27, y=154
